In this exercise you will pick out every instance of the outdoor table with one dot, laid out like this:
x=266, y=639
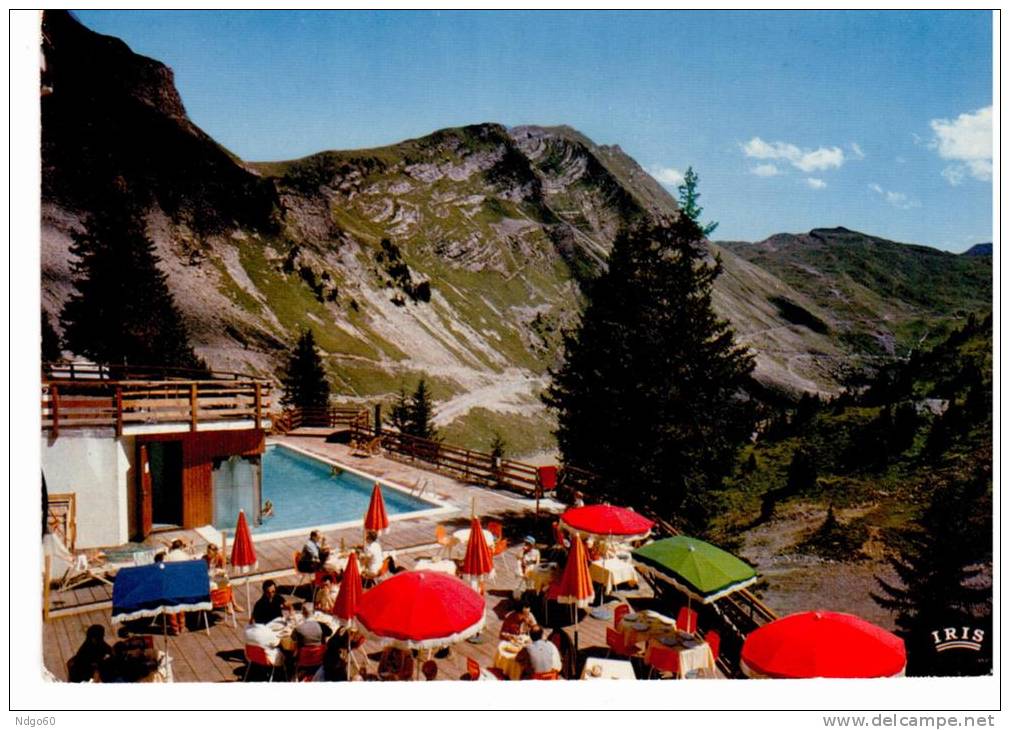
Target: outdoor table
x=284, y=629
x=608, y=669
x=462, y=536
x=506, y=656
x=439, y=566
x=645, y=625
x=611, y=572
x=539, y=577
x=694, y=655
x=336, y=562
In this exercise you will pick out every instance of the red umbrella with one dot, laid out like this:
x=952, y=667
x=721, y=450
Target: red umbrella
x=349, y=596
x=376, y=519
x=478, y=562
x=822, y=644
x=243, y=554
x=575, y=586
x=421, y=609
x=605, y=520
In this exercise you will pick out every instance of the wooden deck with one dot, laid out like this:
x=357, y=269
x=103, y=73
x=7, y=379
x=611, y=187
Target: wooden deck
x=219, y=658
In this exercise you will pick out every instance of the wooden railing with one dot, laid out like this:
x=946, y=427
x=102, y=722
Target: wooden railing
x=70, y=404
x=355, y=418
x=89, y=371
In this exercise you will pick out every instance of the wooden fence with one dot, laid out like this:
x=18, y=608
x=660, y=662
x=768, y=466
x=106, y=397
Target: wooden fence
x=356, y=419
x=83, y=403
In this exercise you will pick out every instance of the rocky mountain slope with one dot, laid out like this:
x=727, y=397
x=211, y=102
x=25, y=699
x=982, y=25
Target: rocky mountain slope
x=459, y=256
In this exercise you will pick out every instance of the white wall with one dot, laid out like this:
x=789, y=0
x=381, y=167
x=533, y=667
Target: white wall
x=94, y=467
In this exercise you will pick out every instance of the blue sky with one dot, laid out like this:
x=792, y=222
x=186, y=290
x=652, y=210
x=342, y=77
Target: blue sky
x=878, y=121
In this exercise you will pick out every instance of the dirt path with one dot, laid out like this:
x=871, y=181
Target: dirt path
x=513, y=391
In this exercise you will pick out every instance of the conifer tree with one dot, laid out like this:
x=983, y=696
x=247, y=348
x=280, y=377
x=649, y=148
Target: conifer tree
x=942, y=566
x=400, y=415
x=649, y=393
x=688, y=200
x=122, y=312
x=421, y=424
x=52, y=349
x=305, y=383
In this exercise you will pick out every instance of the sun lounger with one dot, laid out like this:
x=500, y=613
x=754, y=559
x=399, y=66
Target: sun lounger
x=366, y=447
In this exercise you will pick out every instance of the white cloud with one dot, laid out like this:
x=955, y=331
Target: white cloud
x=822, y=158
x=765, y=170
x=857, y=150
x=901, y=201
x=967, y=141
x=816, y=183
x=667, y=175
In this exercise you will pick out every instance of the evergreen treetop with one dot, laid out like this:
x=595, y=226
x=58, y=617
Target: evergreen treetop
x=305, y=383
x=649, y=394
x=122, y=312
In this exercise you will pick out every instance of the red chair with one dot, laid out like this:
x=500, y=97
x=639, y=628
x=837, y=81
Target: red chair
x=617, y=645
x=310, y=658
x=687, y=620
x=713, y=640
x=222, y=598
x=430, y=670
x=619, y=613
x=553, y=674
x=661, y=658
x=501, y=546
x=547, y=478
x=301, y=576
x=473, y=671
x=258, y=655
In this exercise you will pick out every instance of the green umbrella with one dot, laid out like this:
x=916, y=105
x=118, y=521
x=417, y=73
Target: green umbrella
x=694, y=567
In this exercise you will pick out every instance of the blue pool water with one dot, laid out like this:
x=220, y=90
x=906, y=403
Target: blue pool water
x=306, y=492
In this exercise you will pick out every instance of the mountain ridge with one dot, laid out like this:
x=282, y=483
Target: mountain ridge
x=460, y=256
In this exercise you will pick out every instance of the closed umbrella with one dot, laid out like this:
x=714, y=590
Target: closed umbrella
x=421, y=609
x=478, y=563
x=243, y=554
x=161, y=588
x=346, y=605
x=575, y=587
x=694, y=567
x=375, y=518
x=822, y=644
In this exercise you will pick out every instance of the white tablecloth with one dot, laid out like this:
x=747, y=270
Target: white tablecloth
x=612, y=572
x=539, y=577
x=505, y=657
x=695, y=656
x=439, y=566
x=462, y=536
x=608, y=669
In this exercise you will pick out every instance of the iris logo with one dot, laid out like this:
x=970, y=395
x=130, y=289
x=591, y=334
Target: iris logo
x=963, y=637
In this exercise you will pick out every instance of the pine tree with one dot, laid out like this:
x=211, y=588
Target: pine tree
x=649, y=393
x=52, y=349
x=421, y=413
x=688, y=200
x=400, y=415
x=944, y=573
x=122, y=312
x=305, y=383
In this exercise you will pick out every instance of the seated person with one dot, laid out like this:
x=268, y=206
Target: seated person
x=314, y=553
x=519, y=623
x=93, y=653
x=270, y=605
x=395, y=663
x=215, y=560
x=335, y=661
x=326, y=594
x=529, y=556
x=267, y=511
x=540, y=656
x=310, y=632
x=371, y=556
x=177, y=552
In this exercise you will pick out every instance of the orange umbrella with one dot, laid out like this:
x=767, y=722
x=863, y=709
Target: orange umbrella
x=376, y=519
x=478, y=562
x=346, y=604
x=243, y=554
x=575, y=586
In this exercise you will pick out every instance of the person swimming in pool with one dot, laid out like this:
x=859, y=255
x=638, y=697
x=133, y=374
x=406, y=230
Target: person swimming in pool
x=267, y=511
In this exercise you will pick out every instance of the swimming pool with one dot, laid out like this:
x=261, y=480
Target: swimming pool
x=308, y=492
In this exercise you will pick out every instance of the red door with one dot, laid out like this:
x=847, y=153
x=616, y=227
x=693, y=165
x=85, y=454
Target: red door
x=145, y=503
